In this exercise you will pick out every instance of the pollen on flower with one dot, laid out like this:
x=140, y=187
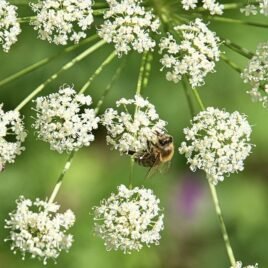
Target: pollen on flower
x=129, y=26
x=65, y=120
x=256, y=75
x=9, y=25
x=60, y=21
x=12, y=135
x=133, y=126
x=239, y=265
x=129, y=219
x=217, y=142
x=36, y=228
x=194, y=56
x=214, y=7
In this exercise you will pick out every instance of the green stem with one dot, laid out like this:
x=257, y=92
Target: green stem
x=67, y=66
x=198, y=99
x=231, y=64
x=225, y=236
x=99, y=12
x=142, y=74
x=181, y=19
x=106, y=62
x=25, y=19
x=45, y=61
x=131, y=173
x=188, y=97
x=109, y=86
x=60, y=179
x=19, y=2
x=236, y=21
x=71, y=156
x=147, y=70
x=238, y=5
x=100, y=5
x=240, y=50
x=217, y=204
x=226, y=6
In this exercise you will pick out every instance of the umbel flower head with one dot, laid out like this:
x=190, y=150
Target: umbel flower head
x=36, y=228
x=129, y=26
x=12, y=135
x=130, y=129
x=9, y=25
x=239, y=265
x=65, y=120
x=256, y=74
x=261, y=6
x=129, y=219
x=212, y=6
x=194, y=56
x=217, y=142
x=60, y=21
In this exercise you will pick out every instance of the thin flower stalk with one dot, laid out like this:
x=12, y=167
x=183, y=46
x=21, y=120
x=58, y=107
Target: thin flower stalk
x=142, y=78
x=71, y=156
x=236, y=48
x=26, y=19
x=98, y=71
x=60, y=179
x=231, y=64
x=188, y=96
x=67, y=66
x=109, y=86
x=216, y=202
x=142, y=83
x=236, y=21
x=228, y=6
x=45, y=61
x=147, y=70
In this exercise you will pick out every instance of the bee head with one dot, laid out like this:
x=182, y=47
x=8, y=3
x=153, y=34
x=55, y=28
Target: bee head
x=165, y=140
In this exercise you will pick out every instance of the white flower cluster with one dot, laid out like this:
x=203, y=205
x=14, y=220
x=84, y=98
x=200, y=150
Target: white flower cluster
x=129, y=219
x=251, y=9
x=65, y=120
x=129, y=26
x=217, y=142
x=239, y=265
x=12, y=135
x=9, y=25
x=194, y=56
x=212, y=6
x=59, y=21
x=256, y=74
x=131, y=129
x=36, y=228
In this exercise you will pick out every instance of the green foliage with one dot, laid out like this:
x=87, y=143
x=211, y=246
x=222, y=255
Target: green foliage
x=191, y=239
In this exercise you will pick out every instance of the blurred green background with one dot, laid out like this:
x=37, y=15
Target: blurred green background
x=192, y=237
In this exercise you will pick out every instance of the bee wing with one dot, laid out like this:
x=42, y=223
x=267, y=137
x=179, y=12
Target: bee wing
x=152, y=170
x=164, y=167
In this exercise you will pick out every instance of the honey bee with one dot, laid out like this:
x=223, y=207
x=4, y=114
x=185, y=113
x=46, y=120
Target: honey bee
x=157, y=154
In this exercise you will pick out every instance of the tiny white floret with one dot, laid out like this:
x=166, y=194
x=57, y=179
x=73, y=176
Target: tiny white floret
x=38, y=229
x=9, y=25
x=129, y=219
x=218, y=142
x=65, y=120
